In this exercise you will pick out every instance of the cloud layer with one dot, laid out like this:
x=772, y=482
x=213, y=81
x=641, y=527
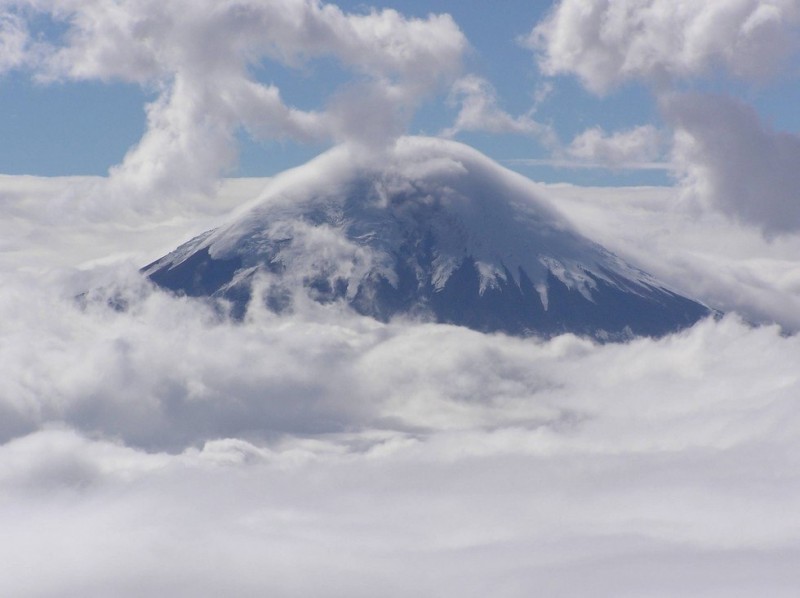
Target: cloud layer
x=359, y=451
x=162, y=450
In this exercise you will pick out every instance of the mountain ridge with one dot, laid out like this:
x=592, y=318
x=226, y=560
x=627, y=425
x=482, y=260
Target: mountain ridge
x=431, y=228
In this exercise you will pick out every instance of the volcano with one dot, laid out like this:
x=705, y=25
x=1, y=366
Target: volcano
x=431, y=229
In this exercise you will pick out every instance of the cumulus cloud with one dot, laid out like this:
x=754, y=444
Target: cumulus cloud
x=724, y=157
x=606, y=43
x=199, y=57
x=727, y=158
x=632, y=148
x=480, y=111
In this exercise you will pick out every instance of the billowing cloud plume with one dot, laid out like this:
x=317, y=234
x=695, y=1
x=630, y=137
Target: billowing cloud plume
x=480, y=111
x=200, y=58
x=633, y=148
x=605, y=43
x=728, y=158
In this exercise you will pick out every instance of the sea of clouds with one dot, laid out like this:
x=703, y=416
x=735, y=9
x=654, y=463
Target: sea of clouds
x=163, y=450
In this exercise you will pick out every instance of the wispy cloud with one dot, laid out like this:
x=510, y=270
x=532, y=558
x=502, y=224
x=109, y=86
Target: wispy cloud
x=567, y=163
x=479, y=110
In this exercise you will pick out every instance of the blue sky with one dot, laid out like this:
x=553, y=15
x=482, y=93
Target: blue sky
x=85, y=126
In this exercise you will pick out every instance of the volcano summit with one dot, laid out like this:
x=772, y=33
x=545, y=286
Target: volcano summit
x=433, y=230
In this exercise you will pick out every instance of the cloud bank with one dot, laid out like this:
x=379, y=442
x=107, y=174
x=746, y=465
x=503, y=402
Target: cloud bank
x=163, y=450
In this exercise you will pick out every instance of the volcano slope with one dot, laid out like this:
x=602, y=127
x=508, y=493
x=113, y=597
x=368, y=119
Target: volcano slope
x=433, y=230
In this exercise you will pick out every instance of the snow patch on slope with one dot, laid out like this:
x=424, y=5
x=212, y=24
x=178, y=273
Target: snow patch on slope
x=470, y=206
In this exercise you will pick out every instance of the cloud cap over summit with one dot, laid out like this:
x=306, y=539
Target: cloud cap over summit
x=433, y=229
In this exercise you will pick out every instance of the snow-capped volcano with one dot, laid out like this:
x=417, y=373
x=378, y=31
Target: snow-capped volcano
x=433, y=229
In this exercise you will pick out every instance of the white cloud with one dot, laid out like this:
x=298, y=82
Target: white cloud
x=143, y=40
x=639, y=148
x=605, y=43
x=479, y=111
x=724, y=157
x=331, y=443
x=163, y=451
x=477, y=461
x=630, y=148
x=13, y=42
x=198, y=56
x=727, y=158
